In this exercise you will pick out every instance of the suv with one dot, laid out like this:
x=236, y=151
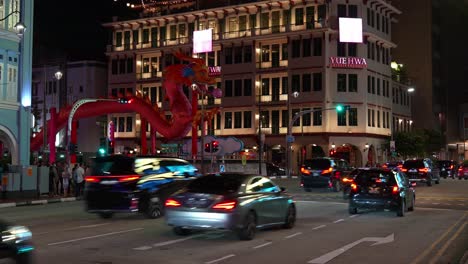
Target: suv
x=324, y=172
x=419, y=170
x=376, y=188
x=462, y=171
x=134, y=184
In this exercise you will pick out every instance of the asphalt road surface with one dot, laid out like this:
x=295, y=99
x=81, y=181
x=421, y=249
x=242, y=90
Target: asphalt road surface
x=436, y=232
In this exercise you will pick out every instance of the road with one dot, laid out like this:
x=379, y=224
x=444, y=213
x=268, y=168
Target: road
x=435, y=232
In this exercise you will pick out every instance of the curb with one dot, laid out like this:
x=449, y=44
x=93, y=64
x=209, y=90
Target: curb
x=37, y=202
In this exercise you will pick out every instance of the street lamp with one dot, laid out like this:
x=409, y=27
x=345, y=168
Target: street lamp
x=290, y=138
x=202, y=122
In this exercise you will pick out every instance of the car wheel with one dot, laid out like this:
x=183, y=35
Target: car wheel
x=412, y=204
x=290, y=218
x=336, y=186
x=153, y=210
x=401, y=210
x=437, y=181
x=429, y=182
x=352, y=210
x=180, y=231
x=106, y=215
x=247, y=232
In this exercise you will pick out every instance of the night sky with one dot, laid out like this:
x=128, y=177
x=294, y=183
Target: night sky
x=72, y=29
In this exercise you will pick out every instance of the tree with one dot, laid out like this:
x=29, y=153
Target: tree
x=410, y=143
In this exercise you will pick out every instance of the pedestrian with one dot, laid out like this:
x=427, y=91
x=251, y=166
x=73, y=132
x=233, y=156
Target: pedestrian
x=66, y=176
x=73, y=180
x=53, y=178
x=60, y=169
x=79, y=180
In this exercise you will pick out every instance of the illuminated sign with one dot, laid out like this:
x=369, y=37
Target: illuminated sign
x=348, y=62
x=350, y=29
x=202, y=41
x=214, y=71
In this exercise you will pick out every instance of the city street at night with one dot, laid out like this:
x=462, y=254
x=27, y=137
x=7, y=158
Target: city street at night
x=324, y=233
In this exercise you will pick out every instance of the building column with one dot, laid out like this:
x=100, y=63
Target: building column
x=51, y=132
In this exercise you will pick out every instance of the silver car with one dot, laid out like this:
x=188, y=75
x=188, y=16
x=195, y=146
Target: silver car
x=231, y=201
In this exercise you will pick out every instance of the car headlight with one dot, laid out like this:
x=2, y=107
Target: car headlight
x=16, y=233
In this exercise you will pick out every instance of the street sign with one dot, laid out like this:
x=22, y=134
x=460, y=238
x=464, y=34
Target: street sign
x=392, y=146
x=244, y=160
x=290, y=138
x=222, y=168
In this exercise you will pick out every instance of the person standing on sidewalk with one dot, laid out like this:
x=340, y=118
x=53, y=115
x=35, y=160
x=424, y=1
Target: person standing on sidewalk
x=66, y=175
x=79, y=180
x=53, y=175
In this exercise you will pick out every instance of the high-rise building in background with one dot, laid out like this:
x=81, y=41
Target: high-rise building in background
x=277, y=58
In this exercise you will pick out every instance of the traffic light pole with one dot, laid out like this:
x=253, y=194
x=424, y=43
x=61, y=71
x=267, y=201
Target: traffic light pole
x=290, y=138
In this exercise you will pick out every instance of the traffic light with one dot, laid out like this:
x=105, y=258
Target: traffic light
x=214, y=146
x=207, y=147
x=102, y=151
x=103, y=146
x=341, y=108
x=332, y=152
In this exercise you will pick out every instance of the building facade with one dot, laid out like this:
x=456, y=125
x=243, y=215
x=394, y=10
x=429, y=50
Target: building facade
x=277, y=58
x=15, y=80
x=62, y=84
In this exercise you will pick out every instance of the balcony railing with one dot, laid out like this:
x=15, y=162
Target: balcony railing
x=148, y=75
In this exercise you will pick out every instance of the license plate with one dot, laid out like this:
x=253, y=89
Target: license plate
x=374, y=190
x=412, y=170
x=315, y=174
x=109, y=182
x=443, y=169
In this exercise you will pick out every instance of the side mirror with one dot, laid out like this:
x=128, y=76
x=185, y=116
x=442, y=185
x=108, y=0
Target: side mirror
x=282, y=189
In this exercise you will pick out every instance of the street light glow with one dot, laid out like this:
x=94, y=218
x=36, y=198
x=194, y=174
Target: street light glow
x=410, y=89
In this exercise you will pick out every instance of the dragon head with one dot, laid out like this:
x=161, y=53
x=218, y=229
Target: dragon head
x=196, y=71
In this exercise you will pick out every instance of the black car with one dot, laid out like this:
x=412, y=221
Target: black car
x=347, y=180
x=419, y=170
x=134, y=184
x=381, y=189
x=447, y=168
x=15, y=243
x=324, y=172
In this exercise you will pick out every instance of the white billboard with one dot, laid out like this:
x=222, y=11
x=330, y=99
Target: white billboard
x=203, y=41
x=350, y=29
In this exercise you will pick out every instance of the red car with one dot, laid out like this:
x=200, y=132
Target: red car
x=463, y=171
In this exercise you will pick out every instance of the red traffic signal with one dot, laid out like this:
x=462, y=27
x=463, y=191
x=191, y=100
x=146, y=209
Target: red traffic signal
x=214, y=146
x=207, y=147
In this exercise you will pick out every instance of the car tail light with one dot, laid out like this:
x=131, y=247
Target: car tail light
x=451, y=167
x=172, y=203
x=404, y=170
x=395, y=190
x=423, y=170
x=327, y=170
x=353, y=187
x=346, y=180
x=400, y=166
x=225, y=205
x=384, y=166
x=378, y=180
x=305, y=171
x=129, y=178
x=91, y=179
x=338, y=174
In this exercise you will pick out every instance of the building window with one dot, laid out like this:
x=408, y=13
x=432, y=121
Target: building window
x=296, y=48
x=237, y=119
x=299, y=14
x=238, y=87
x=352, y=117
x=352, y=11
x=265, y=86
x=232, y=24
x=369, y=122
x=284, y=51
x=317, y=81
x=353, y=83
x=341, y=83
x=242, y=23
x=247, y=54
x=228, y=120
x=173, y=32
x=118, y=39
x=115, y=66
x=145, y=36
x=129, y=124
x=317, y=116
x=265, y=20
x=378, y=86
x=373, y=118
x=373, y=85
x=298, y=121
x=265, y=53
x=247, y=119
x=378, y=118
x=341, y=49
x=121, y=124
x=284, y=85
x=238, y=55
x=341, y=10
x=247, y=87
x=228, y=88
x=130, y=65
x=228, y=55
x=341, y=118
x=306, y=83
x=306, y=118
x=317, y=46
x=369, y=88
x=352, y=49
x=310, y=21
x=296, y=83
x=306, y=47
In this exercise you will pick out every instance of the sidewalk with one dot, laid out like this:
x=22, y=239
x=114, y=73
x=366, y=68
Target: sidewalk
x=34, y=201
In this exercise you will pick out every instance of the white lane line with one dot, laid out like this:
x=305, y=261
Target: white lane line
x=170, y=242
x=262, y=245
x=91, y=237
x=220, y=259
x=143, y=248
x=352, y=216
x=435, y=203
x=73, y=228
x=339, y=220
x=318, y=227
x=293, y=235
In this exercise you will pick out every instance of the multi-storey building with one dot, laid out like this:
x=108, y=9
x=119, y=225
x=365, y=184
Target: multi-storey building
x=62, y=84
x=277, y=58
x=15, y=79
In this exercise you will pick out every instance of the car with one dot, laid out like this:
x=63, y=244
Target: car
x=134, y=184
x=392, y=165
x=274, y=169
x=347, y=180
x=237, y=202
x=462, y=171
x=446, y=168
x=16, y=243
x=324, y=172
x=377, y=188
x=419, y=170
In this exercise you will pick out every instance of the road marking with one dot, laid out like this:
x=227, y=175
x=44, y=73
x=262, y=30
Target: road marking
x=445, y=246
x=335, y=253
x=262, y=245
x=293, y=235
x=431, y=248
x=352, y=216
x=339, y=220
x=435, y=203
x=143, y=248
x=73, y=228
x=220, y=259
x=170, y=242
x=91, y=237
x=318, y=227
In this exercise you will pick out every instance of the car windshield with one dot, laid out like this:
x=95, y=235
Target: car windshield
x=216, y=184
x=413, y=164
x=112, y=166
x=320, y=164
x=367, y=178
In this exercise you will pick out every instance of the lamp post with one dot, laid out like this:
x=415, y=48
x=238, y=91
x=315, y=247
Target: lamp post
x=289, y=138
x=196, y=89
